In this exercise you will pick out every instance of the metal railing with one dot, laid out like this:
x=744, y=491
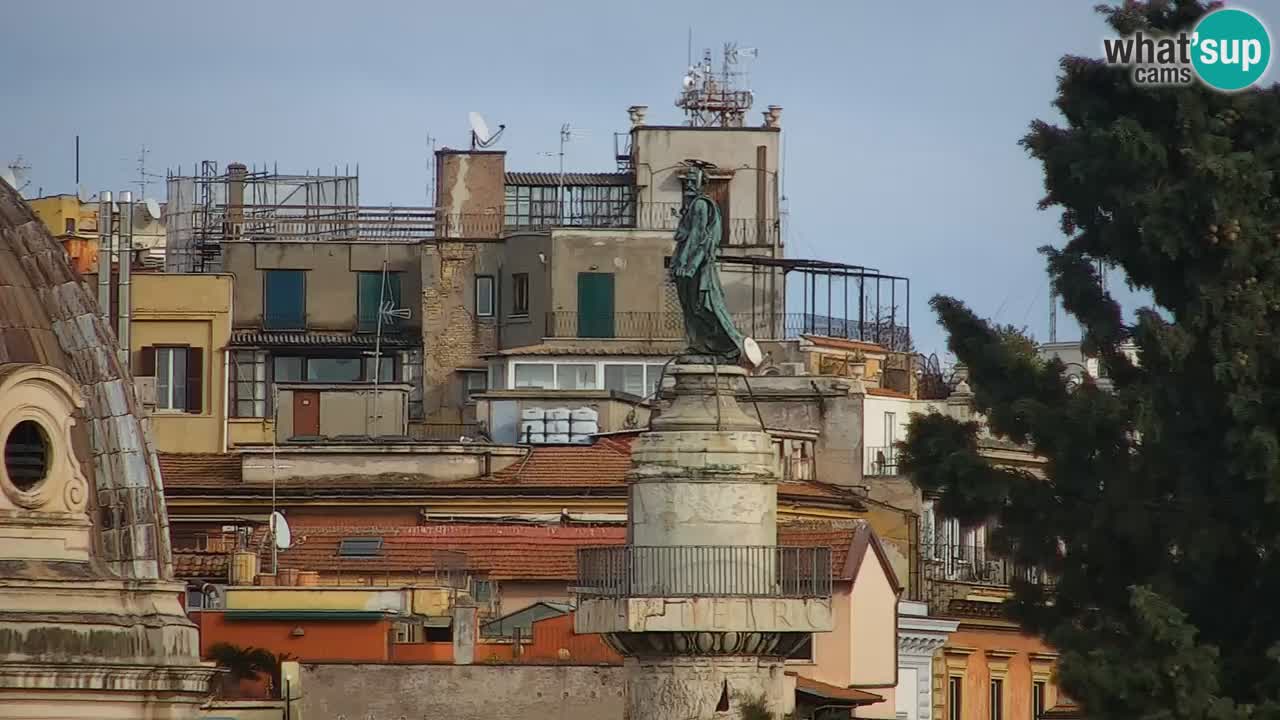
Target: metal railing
x=635, y=325
x=446, y=432
x=330, y=222
x=737, y=231
x=975, y=564
x=704, y=571
x=882, y=461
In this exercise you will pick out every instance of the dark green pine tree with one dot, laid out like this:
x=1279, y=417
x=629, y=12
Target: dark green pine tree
x=1159, y=510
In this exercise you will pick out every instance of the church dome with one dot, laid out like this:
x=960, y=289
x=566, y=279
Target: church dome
x=50, y=338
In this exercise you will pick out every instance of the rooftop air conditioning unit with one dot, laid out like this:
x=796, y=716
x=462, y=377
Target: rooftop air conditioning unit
x=146, y=389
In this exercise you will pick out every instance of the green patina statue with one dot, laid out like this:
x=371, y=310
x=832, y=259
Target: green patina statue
x=708, y=327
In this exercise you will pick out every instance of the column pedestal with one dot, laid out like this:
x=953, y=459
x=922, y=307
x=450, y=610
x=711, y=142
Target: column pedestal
x=690, y=688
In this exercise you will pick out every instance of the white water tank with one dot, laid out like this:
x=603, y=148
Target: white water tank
x=558, y=414
x=584, y=413
x=557, y=438
x=557, y=426
x=533, y=414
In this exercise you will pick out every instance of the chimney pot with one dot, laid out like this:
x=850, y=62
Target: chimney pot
x=637, y=113
x=773, y=116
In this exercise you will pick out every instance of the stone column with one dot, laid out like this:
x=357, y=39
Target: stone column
x=701, y=602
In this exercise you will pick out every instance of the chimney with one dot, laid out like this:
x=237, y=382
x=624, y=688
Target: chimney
x=125, y=250
x=637, y=113
x=773, y=116
x=236, y=173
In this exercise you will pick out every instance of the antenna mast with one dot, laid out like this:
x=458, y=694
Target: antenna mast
x=711, y=99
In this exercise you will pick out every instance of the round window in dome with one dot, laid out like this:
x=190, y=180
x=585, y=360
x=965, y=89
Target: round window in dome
x=26, y=455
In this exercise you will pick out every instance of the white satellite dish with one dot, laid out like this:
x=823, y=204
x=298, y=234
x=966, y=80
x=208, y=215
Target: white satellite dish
x=280, y=531
x=752, y=353
x=479, y=127
x=7, y=175
x=481, y=137
x=153, y=208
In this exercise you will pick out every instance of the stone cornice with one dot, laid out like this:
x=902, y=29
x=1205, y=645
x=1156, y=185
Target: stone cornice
x=924, y=625
x=151, y=680
x=919, y=644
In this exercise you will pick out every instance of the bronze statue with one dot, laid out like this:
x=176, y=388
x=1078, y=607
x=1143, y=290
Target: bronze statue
x=707, y=325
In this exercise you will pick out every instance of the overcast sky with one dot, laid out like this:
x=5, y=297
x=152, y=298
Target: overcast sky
x=901, y=119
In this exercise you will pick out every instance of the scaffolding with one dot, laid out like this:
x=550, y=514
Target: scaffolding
x=850, y=302
x=238, y=203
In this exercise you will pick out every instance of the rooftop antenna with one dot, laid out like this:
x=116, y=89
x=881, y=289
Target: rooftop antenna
x=481, y=137
x=387, y=313
x=711, y=99
x=16, y=174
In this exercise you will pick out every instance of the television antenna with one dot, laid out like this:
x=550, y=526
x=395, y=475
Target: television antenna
x=711, y=99
x=481, y=137
x=16, y=174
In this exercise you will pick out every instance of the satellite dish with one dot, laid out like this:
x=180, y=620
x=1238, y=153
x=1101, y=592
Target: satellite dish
x=481, y=137
x=153, y=208
x=751, y=352
x=7, y=175
x=280, y=531
x=479, y=128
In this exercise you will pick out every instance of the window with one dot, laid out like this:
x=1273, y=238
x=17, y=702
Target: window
x=625, y=378
x=70, y=225
x=1037, y=700
x=540, y=206
x=195, y=599
x=520, y=294
x=360, y=547
x=334, y=369
x=179, y=374
x=284, y=300
x=370, y=286
x=996, y=711
x=171, y=378
x=954, y=698
x=249, y=383
x=473, y=382
x=386, y=368
x=890, y=430
x=288, y=369
x=482, y=590
x=484, y=296
x=804, y=651
x=576, y=377
x=536, y=375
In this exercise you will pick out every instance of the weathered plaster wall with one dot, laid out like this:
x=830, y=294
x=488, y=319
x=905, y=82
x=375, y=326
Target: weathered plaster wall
x=475, y=692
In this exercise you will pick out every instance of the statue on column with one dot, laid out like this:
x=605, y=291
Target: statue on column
x=708, y=327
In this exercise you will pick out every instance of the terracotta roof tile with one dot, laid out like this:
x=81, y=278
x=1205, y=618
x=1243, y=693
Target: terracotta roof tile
x=503, y=552
x=180, y=470
x=887, y=392
x=836, y=693
x=190, y=564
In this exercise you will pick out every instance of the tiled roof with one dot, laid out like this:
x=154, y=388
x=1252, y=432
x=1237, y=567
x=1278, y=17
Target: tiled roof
x=599, y=468
x=835, y=693
x=191, y=564
x=254, y=338
x=206, y=469
x=579, y=347
x=573, y=178
x=604, y=462
x=503, y=552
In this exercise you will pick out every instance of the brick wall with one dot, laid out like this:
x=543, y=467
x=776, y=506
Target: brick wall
x=453, y=337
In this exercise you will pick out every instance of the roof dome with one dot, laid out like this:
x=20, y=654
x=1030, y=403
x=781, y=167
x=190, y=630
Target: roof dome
x=47, y=317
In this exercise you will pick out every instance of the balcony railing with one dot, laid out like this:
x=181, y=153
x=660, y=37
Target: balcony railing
x=798, y=469
x=446, y=432
x=882, y=461
x=975, y=564
x=704, y=571
x=670, y=326
x=737, y=231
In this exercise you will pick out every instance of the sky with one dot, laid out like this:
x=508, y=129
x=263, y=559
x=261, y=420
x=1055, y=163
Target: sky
x=901, y=119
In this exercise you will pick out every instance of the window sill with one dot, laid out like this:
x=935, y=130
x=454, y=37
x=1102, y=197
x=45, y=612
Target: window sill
x=522, y=319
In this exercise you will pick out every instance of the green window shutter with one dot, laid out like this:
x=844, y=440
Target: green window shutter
x=595, y=305
x=284, y=300
x=367, y=300
x=369, y=287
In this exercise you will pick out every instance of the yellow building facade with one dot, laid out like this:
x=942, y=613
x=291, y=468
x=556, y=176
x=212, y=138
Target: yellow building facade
x=179, y=329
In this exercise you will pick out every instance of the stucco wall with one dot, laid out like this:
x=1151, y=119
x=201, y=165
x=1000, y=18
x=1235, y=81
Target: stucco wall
x=529, y=254
x=635, y=257
x=994, y=652
x=874, y=614
x=192, y=310
x=475, y=692
x=331, y=279
x=519, y=594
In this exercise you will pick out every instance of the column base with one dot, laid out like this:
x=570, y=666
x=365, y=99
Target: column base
x=688, y=688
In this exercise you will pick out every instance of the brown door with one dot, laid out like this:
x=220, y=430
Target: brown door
x=718, y=190
x=306, y=413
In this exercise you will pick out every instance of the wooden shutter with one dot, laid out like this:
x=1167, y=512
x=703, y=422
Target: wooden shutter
x=195, y=380
x=146, y=362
